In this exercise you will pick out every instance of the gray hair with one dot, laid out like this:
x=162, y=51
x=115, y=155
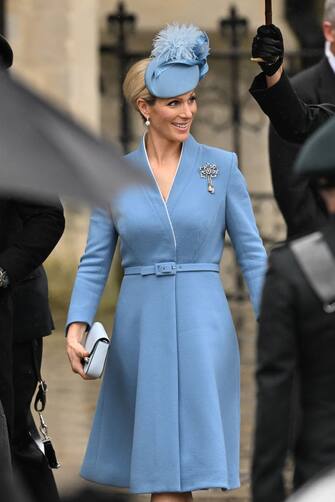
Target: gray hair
x=329, y=11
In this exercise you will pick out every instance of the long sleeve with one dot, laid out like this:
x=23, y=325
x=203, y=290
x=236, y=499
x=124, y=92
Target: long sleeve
x=33, y=232
x=242, y=229
x=276, y=360
x=293, y=119
x=301, y=207
x=93, y=269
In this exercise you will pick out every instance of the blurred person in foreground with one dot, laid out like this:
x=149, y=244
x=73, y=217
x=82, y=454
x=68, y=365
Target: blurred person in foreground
x=168, y=416
x=296, y=334
x=29, y=231
x=301, y=206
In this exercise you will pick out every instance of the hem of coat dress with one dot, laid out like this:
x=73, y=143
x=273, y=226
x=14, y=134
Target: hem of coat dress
x=142, y=489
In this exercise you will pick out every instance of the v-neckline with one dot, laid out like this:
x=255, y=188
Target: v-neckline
x=165, y=201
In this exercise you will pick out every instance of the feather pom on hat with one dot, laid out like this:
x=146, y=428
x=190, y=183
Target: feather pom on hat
x=181, y=43
x=179, y=60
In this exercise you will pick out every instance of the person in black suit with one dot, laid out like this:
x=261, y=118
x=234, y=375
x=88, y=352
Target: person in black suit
x=300, y=205
x=28, y=233
x=296, y=335
x=31, y=322
x=293, y=119
x=302, y=208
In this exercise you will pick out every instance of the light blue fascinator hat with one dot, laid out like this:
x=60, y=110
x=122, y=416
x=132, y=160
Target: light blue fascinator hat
x=178, y=60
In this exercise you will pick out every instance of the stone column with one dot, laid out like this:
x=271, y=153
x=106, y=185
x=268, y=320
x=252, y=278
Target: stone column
x=56, y=51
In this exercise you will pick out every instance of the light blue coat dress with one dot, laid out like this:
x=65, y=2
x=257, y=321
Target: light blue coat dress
x=168, y=414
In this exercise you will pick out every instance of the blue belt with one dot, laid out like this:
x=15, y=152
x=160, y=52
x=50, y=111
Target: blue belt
x=171, y=268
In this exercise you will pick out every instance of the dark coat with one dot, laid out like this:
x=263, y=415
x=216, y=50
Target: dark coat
x=300, y=205
x=32, y=232
x=293, y=119
x=6, y=355
x=295, y=335
x=28, y=234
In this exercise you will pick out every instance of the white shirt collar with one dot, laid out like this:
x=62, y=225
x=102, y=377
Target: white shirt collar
x=330, y=56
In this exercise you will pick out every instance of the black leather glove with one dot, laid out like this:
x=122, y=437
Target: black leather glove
x=268, y=44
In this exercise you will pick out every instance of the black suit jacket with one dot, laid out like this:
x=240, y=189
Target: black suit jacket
x=30, y=232
x=300, y=205
x=295, y=335
x=293, y=119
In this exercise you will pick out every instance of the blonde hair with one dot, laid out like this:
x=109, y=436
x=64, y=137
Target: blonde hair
x=134, y=84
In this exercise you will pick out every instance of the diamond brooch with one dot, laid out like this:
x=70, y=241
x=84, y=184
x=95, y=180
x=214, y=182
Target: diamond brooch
x=209, y=171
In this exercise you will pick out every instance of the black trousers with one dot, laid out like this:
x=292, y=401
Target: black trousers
x=29, y=463
x=6, y=357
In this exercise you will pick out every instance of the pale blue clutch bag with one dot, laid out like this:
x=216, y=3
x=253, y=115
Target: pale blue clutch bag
x=96, y=343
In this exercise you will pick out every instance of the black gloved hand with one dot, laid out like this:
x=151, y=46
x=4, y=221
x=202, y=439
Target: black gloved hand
x=268, y=44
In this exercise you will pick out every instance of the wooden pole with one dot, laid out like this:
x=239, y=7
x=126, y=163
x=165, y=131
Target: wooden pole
x=268, y=20
x=268, y=11
x=3, y=17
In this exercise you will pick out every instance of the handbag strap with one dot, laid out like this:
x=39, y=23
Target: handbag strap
x=39, y=405
x=318, y=266
x=41, y=395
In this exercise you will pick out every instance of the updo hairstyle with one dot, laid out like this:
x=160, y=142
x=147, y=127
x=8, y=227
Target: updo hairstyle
x=134, y=85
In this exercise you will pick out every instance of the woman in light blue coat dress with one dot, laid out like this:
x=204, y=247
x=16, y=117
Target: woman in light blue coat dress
x=168, y=416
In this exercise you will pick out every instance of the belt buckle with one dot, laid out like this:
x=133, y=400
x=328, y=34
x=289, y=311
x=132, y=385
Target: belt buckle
x=165, y=268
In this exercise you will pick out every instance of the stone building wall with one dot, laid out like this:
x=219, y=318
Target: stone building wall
x=214, y=111
x=56, y=45
x=153, y=14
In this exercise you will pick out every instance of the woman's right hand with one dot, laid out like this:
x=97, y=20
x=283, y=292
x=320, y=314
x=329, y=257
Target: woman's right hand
x=75, y=350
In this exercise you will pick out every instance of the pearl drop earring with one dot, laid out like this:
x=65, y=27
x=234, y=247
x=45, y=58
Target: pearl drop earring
x=147, y=122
